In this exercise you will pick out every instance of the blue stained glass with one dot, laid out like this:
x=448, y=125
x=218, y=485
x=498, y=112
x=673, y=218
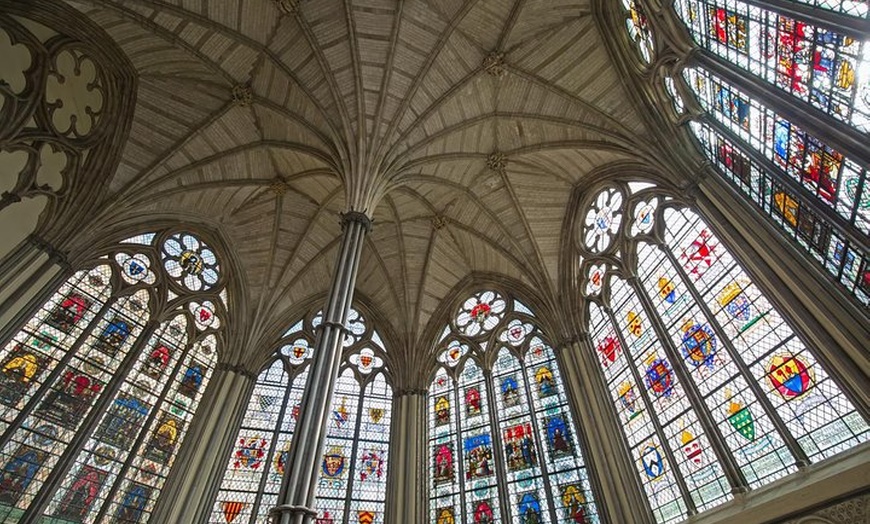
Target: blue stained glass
x=513, y=440
x=780, y=136
x=142, y=426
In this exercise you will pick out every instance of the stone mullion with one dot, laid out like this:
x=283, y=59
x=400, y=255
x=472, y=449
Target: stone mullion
x=406, y=495
x=188, y=468
x=808, y=199
x=548, y=487
x=720, y=448
x=654, y=421
x=12, y=321
x=458, y=458
x=500, y=463
x=143, y=433
x=354, y=447
x=620, y=497
x=298, y=490
x=839, y=135
x=52, y=483
x=831, y=20
x=222, y=440
x=796, y=450
x=829, y=320
x=276, y=434
x=55, y=373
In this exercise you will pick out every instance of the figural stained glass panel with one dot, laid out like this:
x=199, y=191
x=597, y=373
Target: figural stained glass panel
x=757, y=381
x=499, y=423
x=819, y=65
x=789, y=210
x=823, y=178
x=90, y=366
x=831, y=71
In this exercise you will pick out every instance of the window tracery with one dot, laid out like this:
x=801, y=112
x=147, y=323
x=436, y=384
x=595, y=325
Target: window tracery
x=353, y=469
x=502, y=440
x=816, y=194
x=639, y=29
x=100, y=386
x=703, y=370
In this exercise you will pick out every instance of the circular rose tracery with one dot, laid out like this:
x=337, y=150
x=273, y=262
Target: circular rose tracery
x=602, y=220
x=190, y=262
x=480, y=313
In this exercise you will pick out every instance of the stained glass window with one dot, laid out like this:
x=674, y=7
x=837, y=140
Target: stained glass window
x=694, y=353
x=639, y=29
x=99, y=387
x=809, y=188
x=503, y=446
x=353, y=471
x=857, y=8
x=827, y=69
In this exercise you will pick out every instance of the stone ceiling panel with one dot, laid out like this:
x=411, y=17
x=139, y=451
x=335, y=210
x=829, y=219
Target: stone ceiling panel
x=462, y=126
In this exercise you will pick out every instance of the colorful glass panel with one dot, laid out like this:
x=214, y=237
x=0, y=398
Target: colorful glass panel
x=353, y=469
x=819, y=66
x=55, y=376
x=825, y=242
x=754, y=377
x=638, y=29
x=815, y=411
x=524, y=439
x=831, y=71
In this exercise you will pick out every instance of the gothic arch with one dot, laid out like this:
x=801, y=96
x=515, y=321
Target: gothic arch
x=66, y=118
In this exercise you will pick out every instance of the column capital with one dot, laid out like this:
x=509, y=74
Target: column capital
x=48, y=248
x=410, y=391
x=567, y=342
x=236, y=368
x=356, y=216
x=289, y=509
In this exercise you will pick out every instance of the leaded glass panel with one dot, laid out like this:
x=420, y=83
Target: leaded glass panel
x=824, y=68
x=92, y=366
x=353, y=468
x=516, y=456
x=766, y=397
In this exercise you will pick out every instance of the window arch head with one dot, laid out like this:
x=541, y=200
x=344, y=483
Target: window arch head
x=353, y=469
x=499, y=416
x=100, y=385
x=704, y=372
x=811, y=186
x=639, y=30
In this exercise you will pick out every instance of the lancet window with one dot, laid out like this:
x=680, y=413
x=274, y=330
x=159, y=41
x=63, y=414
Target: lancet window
x=503, y=446
x=713, y=386
x=809, y=188
x=99, y=386
x=352, y=485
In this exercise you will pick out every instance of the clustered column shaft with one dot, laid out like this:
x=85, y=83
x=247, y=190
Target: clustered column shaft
x=299, y=486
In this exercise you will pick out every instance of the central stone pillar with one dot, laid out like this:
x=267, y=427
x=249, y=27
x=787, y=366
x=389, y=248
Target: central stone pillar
x=299, y=487
x=406, y=496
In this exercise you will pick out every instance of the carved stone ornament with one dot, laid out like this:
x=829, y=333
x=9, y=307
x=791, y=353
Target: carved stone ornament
x=243, y=95
x=288, y=7
x=849, y=511
x=278, y=186
x=494, y=64
x=62, y=109
x=497, y=162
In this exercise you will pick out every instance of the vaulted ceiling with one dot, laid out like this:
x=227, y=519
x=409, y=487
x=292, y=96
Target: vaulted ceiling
x=461, y=126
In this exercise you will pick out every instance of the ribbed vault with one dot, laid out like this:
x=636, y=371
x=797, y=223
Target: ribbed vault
x=461, y=126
